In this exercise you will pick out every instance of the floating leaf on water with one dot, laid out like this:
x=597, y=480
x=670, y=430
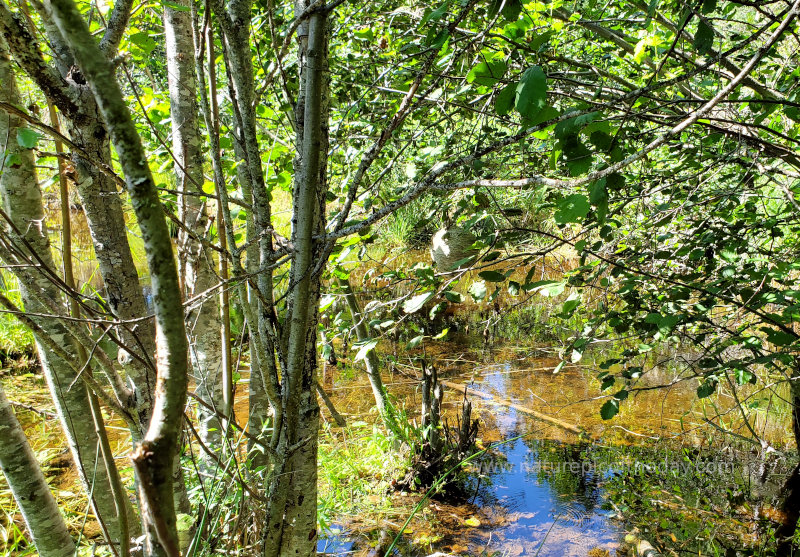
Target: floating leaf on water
x=472, y=521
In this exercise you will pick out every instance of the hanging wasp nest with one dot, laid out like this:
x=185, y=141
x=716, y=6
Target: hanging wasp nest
x=450, y=246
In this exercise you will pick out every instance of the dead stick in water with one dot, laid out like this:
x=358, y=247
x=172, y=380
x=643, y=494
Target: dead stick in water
x=538, y=415
x=340, y=421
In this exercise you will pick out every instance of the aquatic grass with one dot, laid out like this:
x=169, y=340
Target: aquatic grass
x=15, y=339
x=407, y=227
x=356, y=466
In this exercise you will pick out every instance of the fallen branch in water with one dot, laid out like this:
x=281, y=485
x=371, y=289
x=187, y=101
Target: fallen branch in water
x=29, y=408
x=337, y=417
x=519, y=408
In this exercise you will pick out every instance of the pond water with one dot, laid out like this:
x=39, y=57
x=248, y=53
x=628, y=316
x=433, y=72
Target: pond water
x=543, y=491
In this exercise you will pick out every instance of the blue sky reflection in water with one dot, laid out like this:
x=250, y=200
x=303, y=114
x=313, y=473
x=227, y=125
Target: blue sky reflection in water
x=541, y=496
x=535, y=496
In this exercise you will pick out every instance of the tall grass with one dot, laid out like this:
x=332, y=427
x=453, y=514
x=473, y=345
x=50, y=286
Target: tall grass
x=356, y=467
x=16, y=340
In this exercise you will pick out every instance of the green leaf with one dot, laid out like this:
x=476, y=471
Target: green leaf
x=414, y=342
x=414, y=304
x=574, y=125
x=570, y=304
x=531, y=92
x=512, y=9
x=540, y=40
x=144, y=43
x=573, y=208
x=577, y=157
x=434, y=15
x=364, y=34
x=492, y=276
x=709, y=6
x=505, y=99
x=546, y=287
x=743, y=376
x=208, y=187
x=13, y=160
x=553, y=290
x=478, y=290
x=487, y=73
x=706, y=388
x=703, y=38
x=364, y=348
x=779, y=338
x=598, y=196
x=453, y=297
x=513, y=288
x=609, y=409
x=27, y=138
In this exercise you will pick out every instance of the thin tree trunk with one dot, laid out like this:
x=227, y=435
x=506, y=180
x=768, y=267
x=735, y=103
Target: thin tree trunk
x=154, y=457
x=257, y=301
x=203, y=319
x=258, y=412
x=371, y=360
x=31, y=492
x=117, y=490
x=225, y=309
x=22, y=201
x=292, y=513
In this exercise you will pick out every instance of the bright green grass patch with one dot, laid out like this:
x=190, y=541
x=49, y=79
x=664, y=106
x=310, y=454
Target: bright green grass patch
x=15, y=338
x=356, y=467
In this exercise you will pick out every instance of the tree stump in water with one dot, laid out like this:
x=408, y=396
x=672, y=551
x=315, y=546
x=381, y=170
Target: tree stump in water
x=440, y=447
x=451, y=246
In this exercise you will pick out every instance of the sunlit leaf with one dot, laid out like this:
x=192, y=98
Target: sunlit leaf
x=27, y=138
x=415, y=303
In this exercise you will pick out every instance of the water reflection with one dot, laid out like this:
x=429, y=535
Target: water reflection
x=543, y=491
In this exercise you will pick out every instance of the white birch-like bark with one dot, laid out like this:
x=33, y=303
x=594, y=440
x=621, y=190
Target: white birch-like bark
x=203, y=320
x=22, y=202
x=372, y=362
x=31, y=492
x=292, y=513
x=99, y=195
x=154, y=457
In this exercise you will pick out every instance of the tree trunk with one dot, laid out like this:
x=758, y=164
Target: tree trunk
x=67, y=89
x=292, y=513
x=203, y=317
x=31, y=492
x=22, y=201
x=257, y=301
x=102, y=206
x=371, y=360
x=154, y=457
